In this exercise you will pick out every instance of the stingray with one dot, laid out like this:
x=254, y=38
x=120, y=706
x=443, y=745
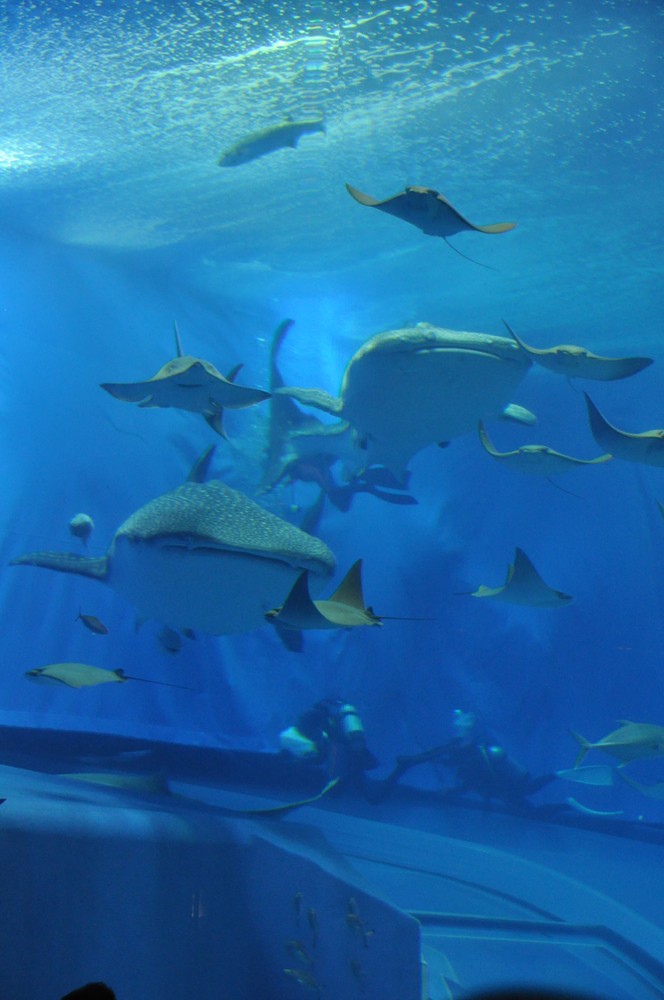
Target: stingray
x=429, y=211
x=188, y=383
x=406, y=389
x=524, y=585
x=344, y=609
x=577, y=362
x=632, y=741
x=203, y=557
x=157, y=784
x=80, y=675
x=537, y=459
x=646, y=447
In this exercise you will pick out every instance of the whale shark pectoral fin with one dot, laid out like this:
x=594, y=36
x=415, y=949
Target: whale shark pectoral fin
x=66, y=562
x=318, y=398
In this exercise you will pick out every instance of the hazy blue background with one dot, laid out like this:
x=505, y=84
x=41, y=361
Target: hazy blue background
x=116, y=220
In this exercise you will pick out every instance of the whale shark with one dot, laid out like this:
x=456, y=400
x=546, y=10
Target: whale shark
x=408, y=388
x=203, y=556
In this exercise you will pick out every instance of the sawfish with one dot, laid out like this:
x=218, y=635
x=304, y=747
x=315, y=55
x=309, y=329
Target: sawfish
x=646, y=447
x=203, y=556
x=188, y=383
x=406, y=389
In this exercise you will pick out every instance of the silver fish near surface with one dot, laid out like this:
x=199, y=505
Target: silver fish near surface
x=268, y=140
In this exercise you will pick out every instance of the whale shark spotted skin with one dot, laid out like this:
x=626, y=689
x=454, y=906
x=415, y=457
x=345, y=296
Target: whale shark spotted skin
x=203, y=556
x=409, y=388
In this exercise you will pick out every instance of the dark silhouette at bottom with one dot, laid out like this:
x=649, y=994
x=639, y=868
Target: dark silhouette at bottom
x=91, y=991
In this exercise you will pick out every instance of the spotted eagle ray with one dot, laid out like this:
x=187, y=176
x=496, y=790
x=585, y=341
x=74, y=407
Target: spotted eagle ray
x=577, y=362
x=188, y=383
x=406, y=389
x=524, y=585
x=429, y=211
x=344, y=609
x=80, y=675
x=203, y=556
x=646, y=447
x=537, y=459
x=268, y=140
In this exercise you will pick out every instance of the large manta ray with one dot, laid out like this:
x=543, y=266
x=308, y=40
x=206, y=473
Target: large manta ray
x=430, y=212
x=189, y=383
x=203, y=556
x=405, y=389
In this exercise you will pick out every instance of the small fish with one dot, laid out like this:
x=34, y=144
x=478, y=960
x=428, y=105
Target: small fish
x=359, y=927
x=268, y=140
x=80, y=675
x=82, y=526
x=298, y=901
x=312, y=920
x=304, y=978
x=92, y=623
x=169, y=640
x=297, y=951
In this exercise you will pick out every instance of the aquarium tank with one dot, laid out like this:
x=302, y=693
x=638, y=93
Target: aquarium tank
x=333, y=498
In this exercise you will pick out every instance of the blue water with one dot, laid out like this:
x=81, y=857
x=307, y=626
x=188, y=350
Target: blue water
x=116, y=220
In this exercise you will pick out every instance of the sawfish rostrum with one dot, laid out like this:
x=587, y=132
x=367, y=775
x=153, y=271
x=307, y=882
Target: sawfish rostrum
x=203, y=556
x=406, y=389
